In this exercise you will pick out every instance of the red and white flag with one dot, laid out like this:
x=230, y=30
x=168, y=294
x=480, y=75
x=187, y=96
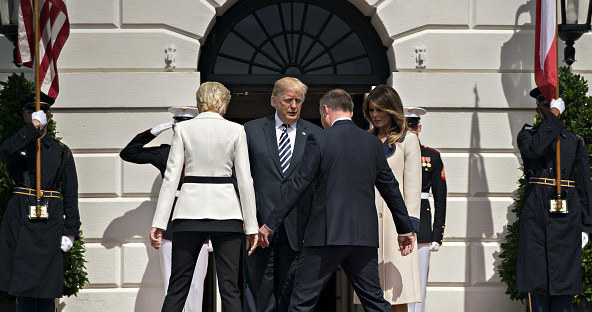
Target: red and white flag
x=545, y=53
x=54, y=29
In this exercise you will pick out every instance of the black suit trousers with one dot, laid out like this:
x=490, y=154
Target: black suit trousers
x=317, y=264
x=186, y=247
x=271, y=274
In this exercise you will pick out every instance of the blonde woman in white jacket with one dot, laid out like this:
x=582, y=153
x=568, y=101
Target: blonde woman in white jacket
x=204, y=150
x=399, y=275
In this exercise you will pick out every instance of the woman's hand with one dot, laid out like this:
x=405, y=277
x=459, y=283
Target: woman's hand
x=252, y=240
x=156, y=237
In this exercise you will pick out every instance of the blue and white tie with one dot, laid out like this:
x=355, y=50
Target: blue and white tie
x=285, y=148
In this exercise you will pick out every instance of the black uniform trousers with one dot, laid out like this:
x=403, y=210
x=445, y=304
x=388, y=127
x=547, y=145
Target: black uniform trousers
x=186, y=247
x=28, y=304
x=271, y=271
x=317, y=264
x=549, y=303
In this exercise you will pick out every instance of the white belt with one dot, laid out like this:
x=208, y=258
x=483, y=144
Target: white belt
x=425, y=195
x=179, y=193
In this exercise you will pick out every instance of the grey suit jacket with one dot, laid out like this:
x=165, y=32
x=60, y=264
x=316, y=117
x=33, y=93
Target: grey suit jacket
x=268, y=176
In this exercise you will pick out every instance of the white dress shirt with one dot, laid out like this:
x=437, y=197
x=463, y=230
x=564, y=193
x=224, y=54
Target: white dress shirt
x=291, y=132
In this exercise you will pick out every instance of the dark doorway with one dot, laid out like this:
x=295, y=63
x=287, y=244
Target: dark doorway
x=247, y=106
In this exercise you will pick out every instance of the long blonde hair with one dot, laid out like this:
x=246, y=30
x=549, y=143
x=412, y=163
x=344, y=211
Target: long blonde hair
x=387, y=100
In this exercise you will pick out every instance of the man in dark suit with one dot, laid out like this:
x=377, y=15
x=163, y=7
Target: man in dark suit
x=276, y=144
x=343, y=163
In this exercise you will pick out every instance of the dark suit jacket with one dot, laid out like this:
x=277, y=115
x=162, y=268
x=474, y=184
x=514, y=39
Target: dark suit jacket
x=268, y=176
x=343, y=163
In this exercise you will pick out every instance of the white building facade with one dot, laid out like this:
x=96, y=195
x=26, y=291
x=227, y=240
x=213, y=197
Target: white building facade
x=468, y=62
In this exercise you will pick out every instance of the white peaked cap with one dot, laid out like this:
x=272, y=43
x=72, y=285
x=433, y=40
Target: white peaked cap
x=414, y=112
x=183, y=111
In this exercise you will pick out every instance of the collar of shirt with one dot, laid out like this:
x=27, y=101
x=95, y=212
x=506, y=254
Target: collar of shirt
x=279, y=123
x=47, y=140
x=340, y=118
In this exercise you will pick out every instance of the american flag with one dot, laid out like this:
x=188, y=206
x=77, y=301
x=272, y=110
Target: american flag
x=54, y=29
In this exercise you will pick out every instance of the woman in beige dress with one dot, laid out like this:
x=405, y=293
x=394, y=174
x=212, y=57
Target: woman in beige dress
x=399, y=275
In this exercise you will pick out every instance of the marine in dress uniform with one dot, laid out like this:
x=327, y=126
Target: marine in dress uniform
x=549, y=248
x=430, y=234
x=32, y=248
x=136, y=152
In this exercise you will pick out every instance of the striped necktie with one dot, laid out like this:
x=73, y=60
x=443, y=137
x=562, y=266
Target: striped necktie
x=285, y=148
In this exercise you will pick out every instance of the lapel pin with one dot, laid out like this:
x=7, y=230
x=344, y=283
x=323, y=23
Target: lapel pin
x=303, y=133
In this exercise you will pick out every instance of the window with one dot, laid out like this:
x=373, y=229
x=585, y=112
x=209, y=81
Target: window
x=320, y=42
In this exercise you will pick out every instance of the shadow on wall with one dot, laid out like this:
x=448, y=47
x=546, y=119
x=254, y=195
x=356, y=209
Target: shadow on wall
x=140, y=261
x=516, y=56
x=477, y=209
x=516, y=61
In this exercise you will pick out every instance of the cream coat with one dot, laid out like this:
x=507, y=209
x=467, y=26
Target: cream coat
x=399, y=276
x=209, y=146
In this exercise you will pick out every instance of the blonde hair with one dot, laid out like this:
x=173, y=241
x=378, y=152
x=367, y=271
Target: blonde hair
x=212, y=96
x=288, y=83
x=387, y=100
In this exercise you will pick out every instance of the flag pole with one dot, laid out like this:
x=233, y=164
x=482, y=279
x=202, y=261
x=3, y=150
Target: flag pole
x=558, y=140
x=37, y=99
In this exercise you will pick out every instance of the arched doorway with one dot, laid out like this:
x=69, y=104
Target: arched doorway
x=326, y=44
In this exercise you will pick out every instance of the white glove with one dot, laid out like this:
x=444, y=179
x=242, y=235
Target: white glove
x=41, y=117
x=584, y=239
x=559, y=104
x=156, y=130
x=434, y=246
x=67, y=242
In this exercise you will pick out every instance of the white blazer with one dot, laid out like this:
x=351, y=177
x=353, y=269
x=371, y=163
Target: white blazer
x=208, y=146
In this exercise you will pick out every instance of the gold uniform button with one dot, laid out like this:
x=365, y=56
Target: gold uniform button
x=380, y=215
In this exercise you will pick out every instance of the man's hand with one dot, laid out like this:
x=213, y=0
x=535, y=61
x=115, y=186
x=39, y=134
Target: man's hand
x=435, y=246
x=264, y=233
x=252, y=240
x=156, y=130
x=406, y=244
x=156, y=237
x=67, y=242
x=39, y=119
x=557, y=107
x=585, y=238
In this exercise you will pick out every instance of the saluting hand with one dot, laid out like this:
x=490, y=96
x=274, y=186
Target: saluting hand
x=156, y=237
x=156, y=130
x=406, y=244
x=39, y=120
x=252, y=240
